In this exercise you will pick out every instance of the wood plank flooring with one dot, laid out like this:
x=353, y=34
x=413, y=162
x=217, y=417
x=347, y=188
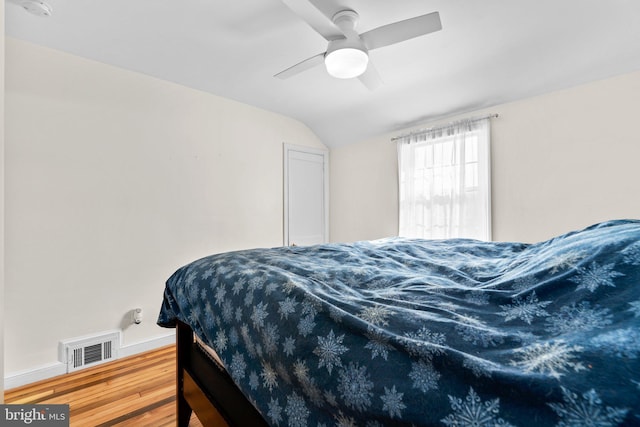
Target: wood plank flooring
x=133, y=391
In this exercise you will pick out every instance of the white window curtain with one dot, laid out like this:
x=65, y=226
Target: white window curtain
x=445, y=181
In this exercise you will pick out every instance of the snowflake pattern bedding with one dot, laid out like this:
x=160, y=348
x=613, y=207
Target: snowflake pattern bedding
x=427, y=333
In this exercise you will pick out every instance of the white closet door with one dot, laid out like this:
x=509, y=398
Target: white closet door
x=305, y=195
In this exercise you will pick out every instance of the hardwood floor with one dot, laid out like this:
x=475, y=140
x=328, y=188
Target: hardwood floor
x=133, y=391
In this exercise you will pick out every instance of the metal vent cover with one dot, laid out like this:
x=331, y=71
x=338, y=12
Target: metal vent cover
x=82, y=352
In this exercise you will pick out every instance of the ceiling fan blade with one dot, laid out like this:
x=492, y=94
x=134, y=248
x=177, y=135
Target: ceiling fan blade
x=301, y=66
x=371, y=78
x=315, y=18
x=402, y=30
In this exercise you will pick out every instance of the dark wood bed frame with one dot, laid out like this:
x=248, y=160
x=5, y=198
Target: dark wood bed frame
x=204, y=387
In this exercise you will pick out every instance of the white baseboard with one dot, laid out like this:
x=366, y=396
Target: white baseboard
x=20, y=378
x=141, y=347
x=17, y=379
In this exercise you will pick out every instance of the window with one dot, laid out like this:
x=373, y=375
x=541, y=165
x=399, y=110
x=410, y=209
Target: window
x=445, y=182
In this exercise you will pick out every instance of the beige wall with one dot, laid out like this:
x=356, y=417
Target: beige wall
x=560, y=161
x=364, y=194
x=113, y=181
x=2, y=302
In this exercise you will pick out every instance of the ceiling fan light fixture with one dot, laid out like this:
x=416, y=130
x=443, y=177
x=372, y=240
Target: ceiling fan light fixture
x=346, y=62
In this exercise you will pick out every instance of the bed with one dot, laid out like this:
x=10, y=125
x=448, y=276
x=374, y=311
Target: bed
x=413, y=332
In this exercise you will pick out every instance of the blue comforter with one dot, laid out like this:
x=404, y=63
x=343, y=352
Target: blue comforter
x=426, y=332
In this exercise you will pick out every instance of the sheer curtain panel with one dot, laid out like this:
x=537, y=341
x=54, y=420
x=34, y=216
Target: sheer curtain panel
x=445, y=181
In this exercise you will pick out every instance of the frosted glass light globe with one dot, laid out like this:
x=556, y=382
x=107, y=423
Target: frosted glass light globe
x=346, y=63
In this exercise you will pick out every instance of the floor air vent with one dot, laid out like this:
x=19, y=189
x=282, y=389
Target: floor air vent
x=79, y=353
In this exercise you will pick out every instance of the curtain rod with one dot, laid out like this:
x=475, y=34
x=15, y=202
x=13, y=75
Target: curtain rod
x=444, y=126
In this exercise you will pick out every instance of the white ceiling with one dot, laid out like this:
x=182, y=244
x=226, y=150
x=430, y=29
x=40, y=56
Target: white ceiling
x=488, y=52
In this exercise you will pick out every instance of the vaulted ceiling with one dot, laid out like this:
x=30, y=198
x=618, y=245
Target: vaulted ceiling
x=488, y=52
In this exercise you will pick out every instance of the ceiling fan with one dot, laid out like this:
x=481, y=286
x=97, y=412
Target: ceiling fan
x=347, y=54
